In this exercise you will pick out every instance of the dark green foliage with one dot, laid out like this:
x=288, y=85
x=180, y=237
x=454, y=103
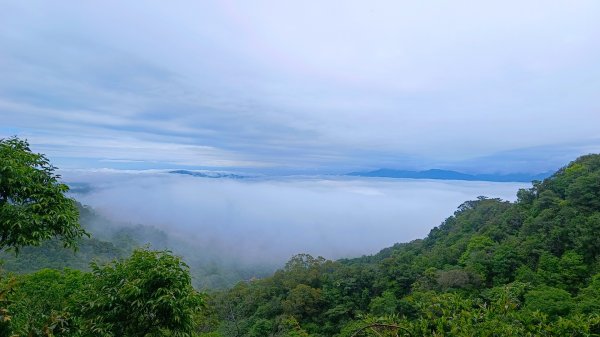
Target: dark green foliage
x=384, y=305
x=551, y=301
x=39, y=300
x=52, y=254
x=148, y=294
x=588, y=299
x=33, y=207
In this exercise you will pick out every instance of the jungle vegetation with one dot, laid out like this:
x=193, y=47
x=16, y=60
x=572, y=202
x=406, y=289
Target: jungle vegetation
x=493, y=268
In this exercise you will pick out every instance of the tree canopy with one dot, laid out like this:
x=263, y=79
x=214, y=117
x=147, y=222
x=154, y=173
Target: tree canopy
x=33, y=205
x=148, y=294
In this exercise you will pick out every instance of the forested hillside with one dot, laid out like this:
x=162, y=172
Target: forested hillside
x=110, y=240
x=148, y=293
x=494, y=268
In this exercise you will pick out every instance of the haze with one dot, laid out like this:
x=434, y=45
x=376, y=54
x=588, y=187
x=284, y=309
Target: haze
x=266, y=221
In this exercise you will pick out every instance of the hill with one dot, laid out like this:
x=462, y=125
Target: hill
x=451, y=175
x=493, y=268
x=110, y=240
x=209, y=174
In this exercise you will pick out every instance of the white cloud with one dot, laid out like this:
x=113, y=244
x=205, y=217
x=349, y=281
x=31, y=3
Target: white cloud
x=266, y=220
x=307, y=83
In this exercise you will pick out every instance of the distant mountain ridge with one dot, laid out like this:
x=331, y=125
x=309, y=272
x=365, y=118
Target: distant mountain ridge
x=451, y=175
x=209, y=174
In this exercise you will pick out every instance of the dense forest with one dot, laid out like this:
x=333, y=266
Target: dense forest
x=494, y=268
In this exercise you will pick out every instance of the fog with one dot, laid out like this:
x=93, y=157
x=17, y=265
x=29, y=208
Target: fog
x=267, y=220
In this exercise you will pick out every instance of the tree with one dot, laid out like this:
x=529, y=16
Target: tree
x=588, y=300
x=303, y=301
x=148, y=294
x=39, y=301
x=478, y=256
x=551, y=301
x=386, y=304
x=33, y=205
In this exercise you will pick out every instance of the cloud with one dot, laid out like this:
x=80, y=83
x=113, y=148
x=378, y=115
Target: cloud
x=266, y=220
x=310, y=84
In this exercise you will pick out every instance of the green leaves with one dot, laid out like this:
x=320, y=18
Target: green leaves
x=551, y=301
x=39, y=301
x=33, y=207
x=148, y=294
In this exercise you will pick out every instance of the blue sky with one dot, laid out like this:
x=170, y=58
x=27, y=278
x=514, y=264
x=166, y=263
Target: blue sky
x=307, y=86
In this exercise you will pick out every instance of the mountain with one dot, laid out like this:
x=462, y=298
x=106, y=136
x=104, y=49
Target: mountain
x=209, y=174
x=493, y=268
x=451, y=175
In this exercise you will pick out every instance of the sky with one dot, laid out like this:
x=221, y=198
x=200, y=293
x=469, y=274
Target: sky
x=303, y=86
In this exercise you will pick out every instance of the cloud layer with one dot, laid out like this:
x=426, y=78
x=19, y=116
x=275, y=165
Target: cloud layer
x=269, y=220
x=311, y=85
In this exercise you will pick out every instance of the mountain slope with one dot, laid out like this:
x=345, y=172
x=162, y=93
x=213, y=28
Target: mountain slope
x=110, y=240
x=493, y=268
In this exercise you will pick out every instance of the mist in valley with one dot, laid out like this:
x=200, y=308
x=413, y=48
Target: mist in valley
x=265, y=221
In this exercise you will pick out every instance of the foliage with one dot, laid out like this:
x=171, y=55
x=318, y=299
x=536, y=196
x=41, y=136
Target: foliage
x=6, y=287
x=51, y=254
x=148, y=294
x=551, y=301
x=33, y=207
x=39, y=300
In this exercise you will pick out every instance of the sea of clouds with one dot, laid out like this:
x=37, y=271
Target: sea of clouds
x=267, y=220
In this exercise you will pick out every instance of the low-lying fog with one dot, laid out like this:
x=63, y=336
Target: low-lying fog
x=267, y=220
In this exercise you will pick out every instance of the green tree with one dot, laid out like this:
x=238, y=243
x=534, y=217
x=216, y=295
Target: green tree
x=478, y=256
x=289, y=327
x=262, y=327
x=33, y=205
x=551, y=301
x=588, y=299
x=148, y=294
x=572, y=271
x=39, y=301
x=303, y=301
x=386, y=304
x=584, y=192
x=6, y=287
